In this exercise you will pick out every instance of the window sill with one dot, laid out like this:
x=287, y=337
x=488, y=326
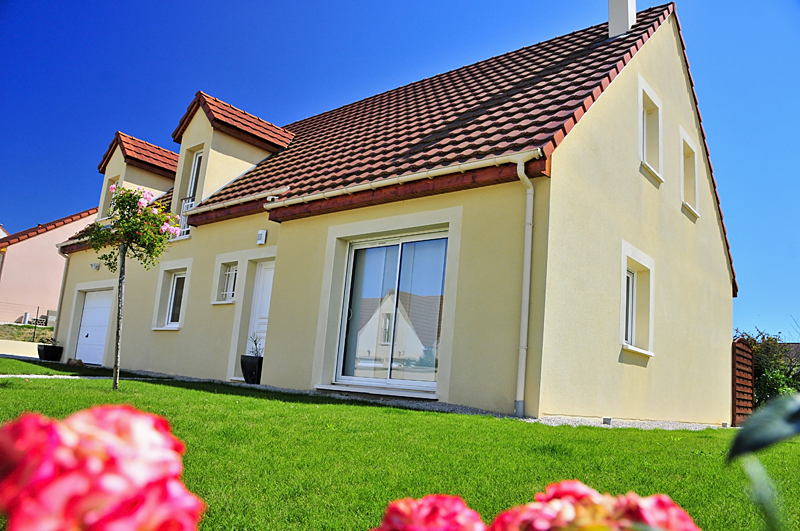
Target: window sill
x=690, y=210
x=385, y=391
x=237, y=379
x=166, y=328
x=179, y=238
x=652, y=172
x=636, y=350
x=222, y=303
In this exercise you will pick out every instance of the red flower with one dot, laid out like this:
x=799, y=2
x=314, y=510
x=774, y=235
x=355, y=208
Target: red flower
x=109, y=468
x=437, y=512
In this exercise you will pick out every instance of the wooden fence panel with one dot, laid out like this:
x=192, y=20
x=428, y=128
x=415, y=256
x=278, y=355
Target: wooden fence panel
x=742, y=382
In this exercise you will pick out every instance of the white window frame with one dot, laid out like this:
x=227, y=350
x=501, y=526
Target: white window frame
x=686, y=141
x=656, y=171
x=643, y=294
x=228, y=273
x=162, y=310
x=168, y=322
x=194, y=175
x=366, y=244
x=630, y=307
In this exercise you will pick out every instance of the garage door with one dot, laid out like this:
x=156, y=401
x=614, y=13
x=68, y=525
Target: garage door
x=94, y=326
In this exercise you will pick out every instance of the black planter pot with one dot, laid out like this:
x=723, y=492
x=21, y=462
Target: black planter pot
x=251, y=368
x=50, y=352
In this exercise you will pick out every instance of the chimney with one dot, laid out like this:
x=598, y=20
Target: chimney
x=621, y=16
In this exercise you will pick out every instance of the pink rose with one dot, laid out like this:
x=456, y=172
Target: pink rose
x=573, y=490
x=155, y=211
x=165, y=227
x=107, y=468
x=657, y=510
x=437, y=512
x=112, y=188
x=142, y=202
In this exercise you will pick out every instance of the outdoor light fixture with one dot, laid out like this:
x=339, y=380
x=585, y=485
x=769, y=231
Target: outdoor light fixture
x=95, y=266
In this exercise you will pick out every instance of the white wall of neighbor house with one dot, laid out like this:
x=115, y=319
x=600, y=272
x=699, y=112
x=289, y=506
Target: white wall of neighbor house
x=604, y=202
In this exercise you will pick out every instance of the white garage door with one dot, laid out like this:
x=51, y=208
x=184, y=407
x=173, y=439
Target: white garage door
x=94, y=326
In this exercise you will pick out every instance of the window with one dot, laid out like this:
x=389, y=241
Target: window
x=187, y=203
x=227, y=281
x=107, y=194
x=175, y=299
x=392, y=320
x=688, y=174
x=637, y=302
x=650, y=130
x=630, y=305
x=169, y=312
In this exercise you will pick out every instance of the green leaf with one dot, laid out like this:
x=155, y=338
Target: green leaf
x=779, y=419
x=763, y=492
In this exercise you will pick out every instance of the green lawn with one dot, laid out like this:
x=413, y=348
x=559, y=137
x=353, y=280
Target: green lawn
x=272, y=461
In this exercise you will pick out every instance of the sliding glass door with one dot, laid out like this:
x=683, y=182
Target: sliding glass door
x=393, y=312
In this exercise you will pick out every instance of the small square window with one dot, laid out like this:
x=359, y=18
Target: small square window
x=175, y=299
x=227, y=281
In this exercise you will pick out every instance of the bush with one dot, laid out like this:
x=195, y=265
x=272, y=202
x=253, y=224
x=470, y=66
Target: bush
x=775, y=373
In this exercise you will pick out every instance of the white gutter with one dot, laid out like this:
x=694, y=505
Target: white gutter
x=61, y=291
x=515, y=158
x=519, y=159
x=269, y=195
x=519, y=402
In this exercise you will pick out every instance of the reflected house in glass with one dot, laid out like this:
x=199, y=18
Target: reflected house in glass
x=512, y=235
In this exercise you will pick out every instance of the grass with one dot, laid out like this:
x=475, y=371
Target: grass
x=272, y=461
x=15, y=332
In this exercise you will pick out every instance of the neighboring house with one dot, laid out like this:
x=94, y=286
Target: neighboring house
x=3, y=232
x=31, y=268
x=537, y=233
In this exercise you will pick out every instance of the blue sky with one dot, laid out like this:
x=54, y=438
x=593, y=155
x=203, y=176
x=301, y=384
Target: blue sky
x=72, y=73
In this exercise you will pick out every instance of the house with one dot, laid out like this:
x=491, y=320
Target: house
x=31, y=268
x=538, y=233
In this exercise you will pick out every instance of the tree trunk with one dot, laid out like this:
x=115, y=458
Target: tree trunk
x=123, y=249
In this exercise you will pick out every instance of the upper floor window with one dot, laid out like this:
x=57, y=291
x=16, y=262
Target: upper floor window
x=650, y=130
x=688, y=174
x=107, y=195
x=188, y=201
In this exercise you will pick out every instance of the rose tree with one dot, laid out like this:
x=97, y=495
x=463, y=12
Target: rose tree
x=133, y=227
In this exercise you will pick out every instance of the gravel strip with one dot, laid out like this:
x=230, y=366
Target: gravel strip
x=615, y=423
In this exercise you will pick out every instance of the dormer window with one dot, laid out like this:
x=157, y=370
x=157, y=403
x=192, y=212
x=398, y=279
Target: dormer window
x=187, y=203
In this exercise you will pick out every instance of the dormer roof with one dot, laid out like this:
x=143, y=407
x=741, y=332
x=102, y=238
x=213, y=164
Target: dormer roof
x=141, y=154
x=235, y=122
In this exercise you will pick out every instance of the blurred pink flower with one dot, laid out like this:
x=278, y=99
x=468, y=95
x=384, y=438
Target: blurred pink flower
x=112, y=188
x=174, y=230
x=437, y=512
x=165, y=227
x=142, y=202
x=108, y=468
x=155, y=211
x=657, y=510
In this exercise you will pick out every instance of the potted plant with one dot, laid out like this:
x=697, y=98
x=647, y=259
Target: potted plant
x=49, y=350
x=253, y=360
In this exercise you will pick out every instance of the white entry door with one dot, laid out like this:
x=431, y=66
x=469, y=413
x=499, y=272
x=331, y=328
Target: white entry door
x=94, y=326
x=262, y=291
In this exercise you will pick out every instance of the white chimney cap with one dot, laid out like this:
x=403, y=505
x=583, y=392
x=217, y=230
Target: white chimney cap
x=621, y=16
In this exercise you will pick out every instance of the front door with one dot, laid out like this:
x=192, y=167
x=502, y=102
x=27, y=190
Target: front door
x=259, y=314
x=94, y=326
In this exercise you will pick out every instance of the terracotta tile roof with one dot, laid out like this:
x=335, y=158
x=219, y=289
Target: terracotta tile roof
x=17, y=237
x=143, y=155
x=236, y=123
x=526, y=99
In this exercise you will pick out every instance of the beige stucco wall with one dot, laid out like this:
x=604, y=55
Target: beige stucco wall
x=129, y=177
x=480, y=329
x=600, y=197
x=224, y=159
x=208, y=342
x=32, y=268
